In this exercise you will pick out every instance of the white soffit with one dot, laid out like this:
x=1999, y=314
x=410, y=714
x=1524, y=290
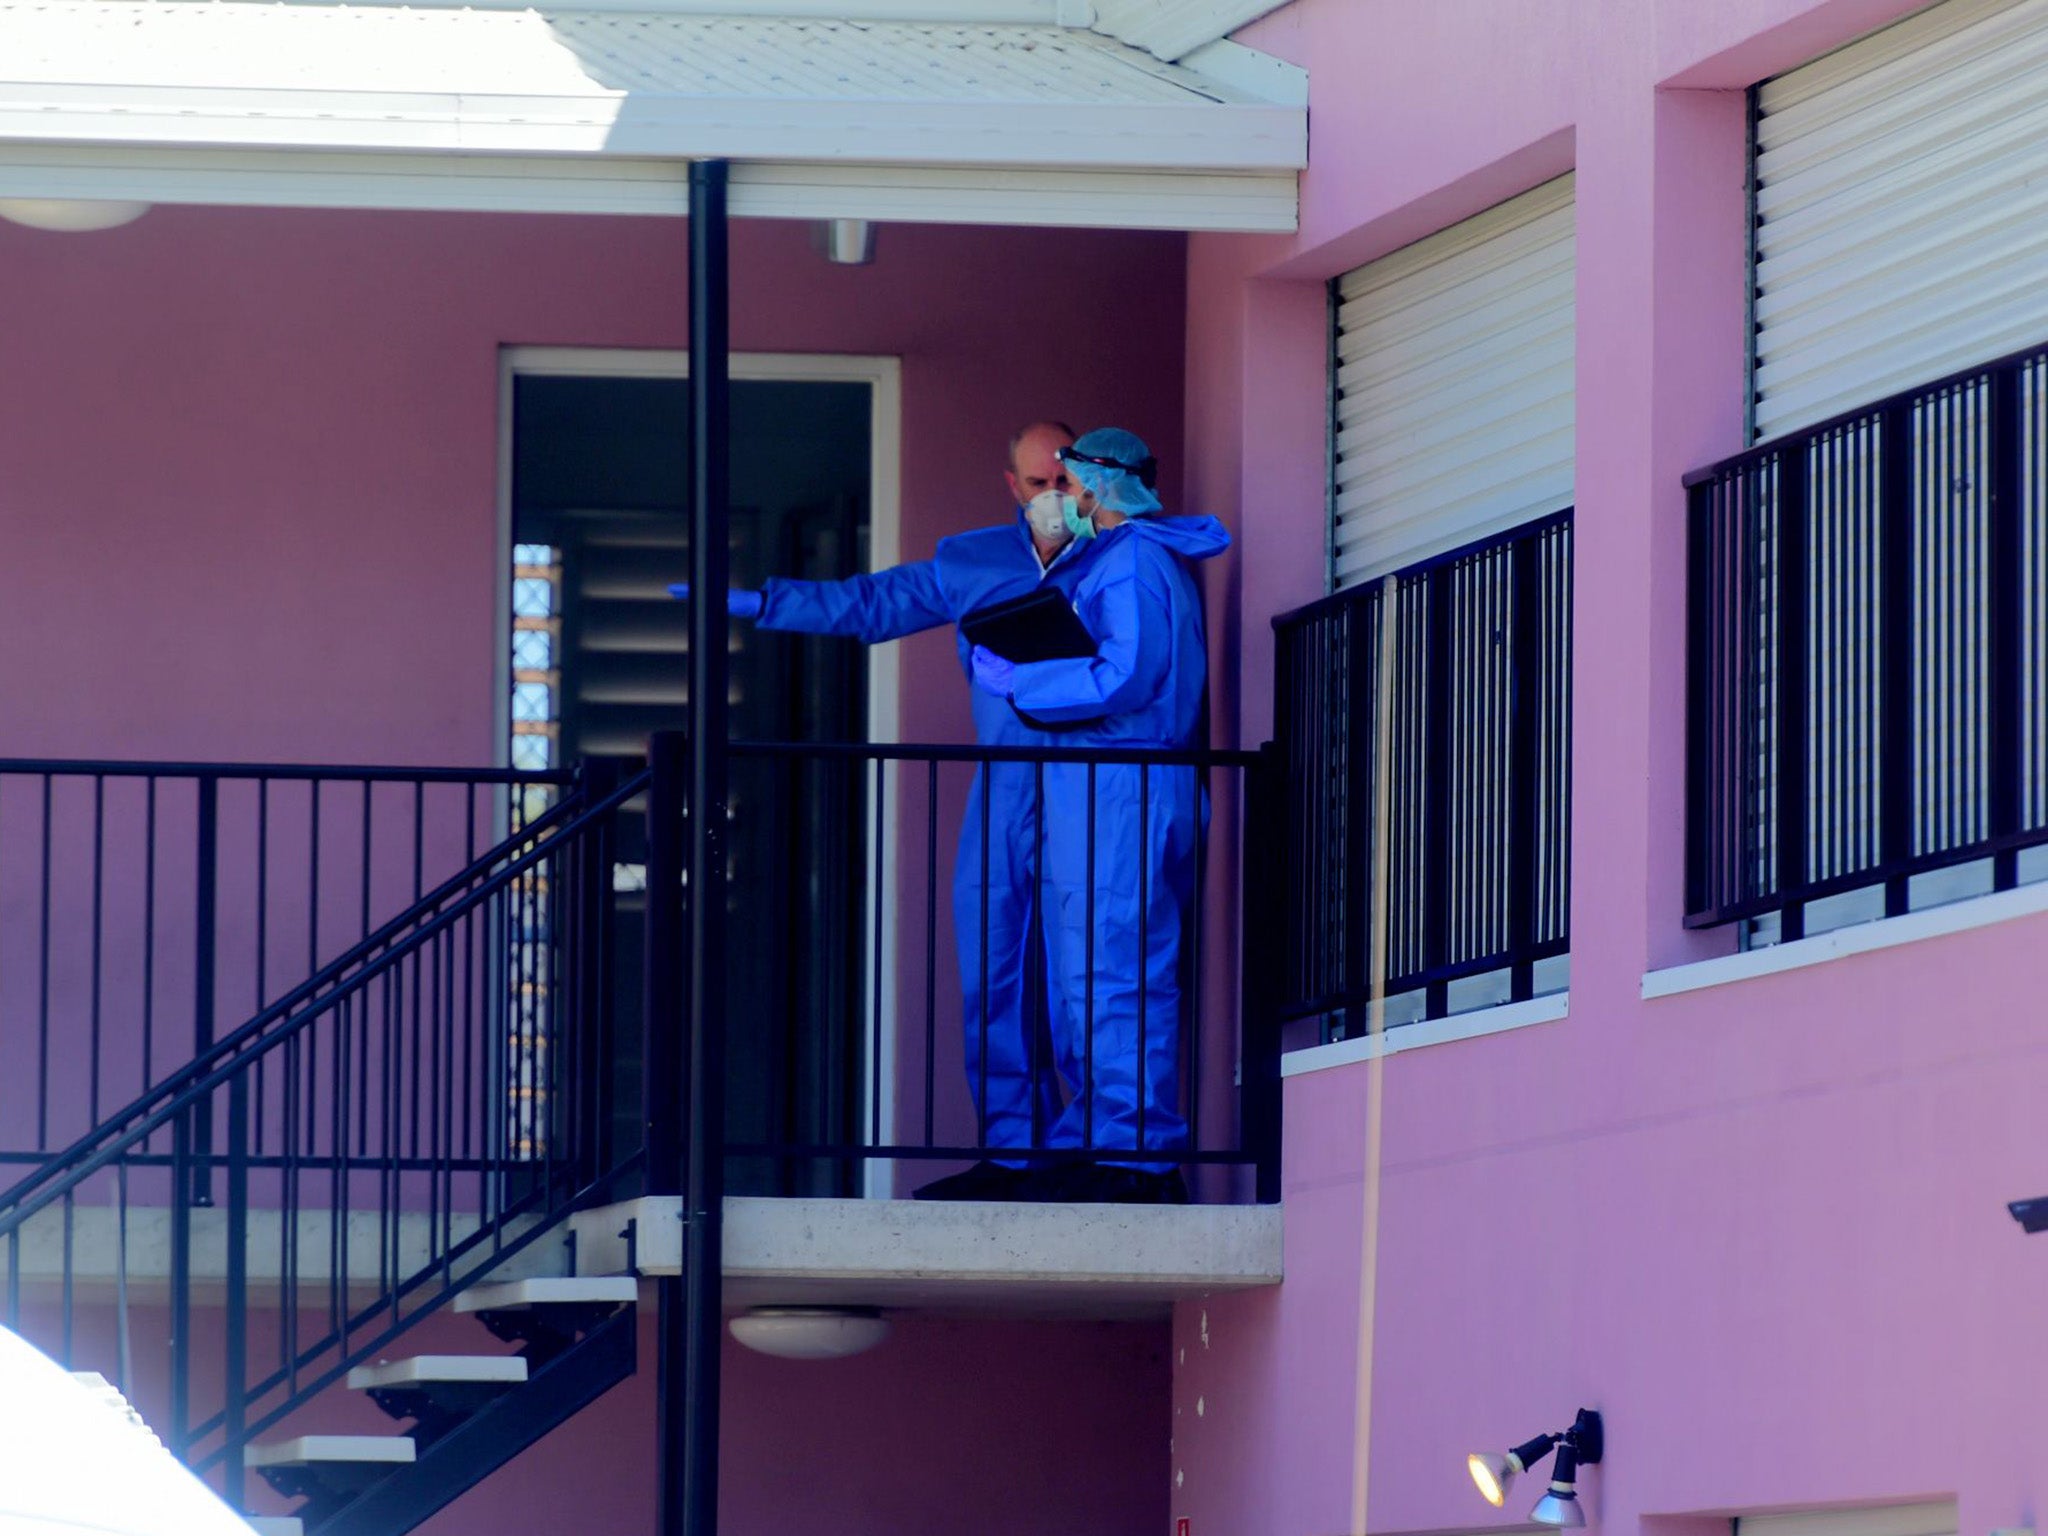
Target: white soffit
x=583, y=110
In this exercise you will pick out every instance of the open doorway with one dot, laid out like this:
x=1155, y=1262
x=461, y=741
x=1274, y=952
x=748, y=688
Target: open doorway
x=595, y=527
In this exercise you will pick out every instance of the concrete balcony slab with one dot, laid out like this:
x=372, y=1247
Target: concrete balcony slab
x=1072, y=1261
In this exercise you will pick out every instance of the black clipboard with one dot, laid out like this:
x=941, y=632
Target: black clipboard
x=1039, y=626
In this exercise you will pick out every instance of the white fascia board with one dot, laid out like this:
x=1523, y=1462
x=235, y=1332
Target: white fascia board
x=1169, y=29
x=272, y=178
x=1263, y=203
x=1164, y=136
x=1243, y=203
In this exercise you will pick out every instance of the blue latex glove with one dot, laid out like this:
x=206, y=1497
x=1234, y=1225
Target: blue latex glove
x=992, y=673
x=740, y=602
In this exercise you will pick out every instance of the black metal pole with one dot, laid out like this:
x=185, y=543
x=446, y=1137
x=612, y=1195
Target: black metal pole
x=690, y=1322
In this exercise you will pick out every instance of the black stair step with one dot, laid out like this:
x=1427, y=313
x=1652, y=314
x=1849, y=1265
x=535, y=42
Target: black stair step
x=329, y=1471
x=437, y=1392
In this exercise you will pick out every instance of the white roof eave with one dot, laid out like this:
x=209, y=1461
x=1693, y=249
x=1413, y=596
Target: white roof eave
x=384, y=106
x=1152, y=136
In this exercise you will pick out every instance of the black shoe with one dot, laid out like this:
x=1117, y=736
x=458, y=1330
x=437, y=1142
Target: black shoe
x=1107, y=1184
x=986, y=1180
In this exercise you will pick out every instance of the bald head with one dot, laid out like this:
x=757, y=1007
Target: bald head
x=1034, y=466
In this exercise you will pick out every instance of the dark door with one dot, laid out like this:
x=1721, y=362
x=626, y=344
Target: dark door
x=600, y=527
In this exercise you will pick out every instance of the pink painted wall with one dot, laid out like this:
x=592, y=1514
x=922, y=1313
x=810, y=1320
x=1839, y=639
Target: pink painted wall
x=250, y=457
x=250, y=465
x=949, y=1425
x=1760, y=1226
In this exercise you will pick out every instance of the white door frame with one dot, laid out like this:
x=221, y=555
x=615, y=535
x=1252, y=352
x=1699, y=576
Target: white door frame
x=884, y=378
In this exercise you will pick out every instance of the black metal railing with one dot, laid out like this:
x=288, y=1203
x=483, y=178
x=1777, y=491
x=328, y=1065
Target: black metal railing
x=413, y=1112
x=919, y=951
x=1427, y=749
x=1867, y=669
x=144, y=907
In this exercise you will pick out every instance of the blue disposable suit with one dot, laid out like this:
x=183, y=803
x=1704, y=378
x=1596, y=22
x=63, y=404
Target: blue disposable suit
x=1119, y=883
x=1009, y=1071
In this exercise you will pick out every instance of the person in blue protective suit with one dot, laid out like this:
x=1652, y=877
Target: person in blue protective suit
x=1010, y=1070
x=1122, y=839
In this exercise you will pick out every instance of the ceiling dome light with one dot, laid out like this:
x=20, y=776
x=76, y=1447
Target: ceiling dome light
x=810, y=1333
x=70, y=215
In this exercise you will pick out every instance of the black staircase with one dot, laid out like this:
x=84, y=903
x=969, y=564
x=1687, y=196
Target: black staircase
x=372, y=1145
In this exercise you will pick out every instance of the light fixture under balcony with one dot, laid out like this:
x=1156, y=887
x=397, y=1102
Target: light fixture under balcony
x=847, y=242
x=70, y=215
x=810, y=1333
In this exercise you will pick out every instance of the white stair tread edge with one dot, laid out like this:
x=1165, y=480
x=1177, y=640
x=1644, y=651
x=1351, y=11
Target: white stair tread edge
x=343, y=1448
x=550, y=1291
x=421, y=1370
x=276, y=1525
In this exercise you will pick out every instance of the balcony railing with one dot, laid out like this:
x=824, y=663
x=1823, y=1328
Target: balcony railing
x=147, y=908
x=906, y=1092
x=1424, y=724
x=1867, y=664
x=392, y=1125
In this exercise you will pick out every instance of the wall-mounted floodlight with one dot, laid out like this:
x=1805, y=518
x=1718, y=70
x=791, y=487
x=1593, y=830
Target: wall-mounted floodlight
x=1581, y=1445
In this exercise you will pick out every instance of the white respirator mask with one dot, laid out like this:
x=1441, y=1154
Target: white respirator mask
x=1047, y=514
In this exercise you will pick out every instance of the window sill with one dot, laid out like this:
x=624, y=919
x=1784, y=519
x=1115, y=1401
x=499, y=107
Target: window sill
x=1413, y=1037
x=1884, y=933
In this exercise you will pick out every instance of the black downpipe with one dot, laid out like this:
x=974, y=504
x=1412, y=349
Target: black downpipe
x=690, y=1321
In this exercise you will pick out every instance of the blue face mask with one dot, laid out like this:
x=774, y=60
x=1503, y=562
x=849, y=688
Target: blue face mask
x=1080, y=527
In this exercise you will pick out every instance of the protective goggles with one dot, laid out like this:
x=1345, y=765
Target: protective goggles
x=1146, y=469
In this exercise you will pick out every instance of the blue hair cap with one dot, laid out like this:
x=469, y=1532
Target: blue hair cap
x=1120, y=490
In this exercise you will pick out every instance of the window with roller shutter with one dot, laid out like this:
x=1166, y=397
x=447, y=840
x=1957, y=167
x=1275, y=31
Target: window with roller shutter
x=1868, y=679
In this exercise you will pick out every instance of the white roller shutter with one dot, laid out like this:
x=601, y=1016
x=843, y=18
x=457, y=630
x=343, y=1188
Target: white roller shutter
x=1934, y=1519
x=1902, y=202
x=1453, y=390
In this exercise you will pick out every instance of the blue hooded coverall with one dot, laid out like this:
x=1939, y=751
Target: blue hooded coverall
x=1114, y=941
x=1015, y=1091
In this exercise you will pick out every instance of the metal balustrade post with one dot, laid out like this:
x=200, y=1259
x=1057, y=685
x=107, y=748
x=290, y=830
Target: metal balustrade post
x=206, y=917
x=181, y=1285
x=1790, y=681
x=1703, y=788
x=1896, y=638
x=1435, y=589
x=2005, y=638
x=234, y=1386
x=662, y=1069
x=1525, y=683
x=1357, y=723
x=1259, y=916
x=591, y=1017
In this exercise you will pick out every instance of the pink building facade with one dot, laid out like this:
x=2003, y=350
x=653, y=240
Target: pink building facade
x=1745, y=1198
x=1750, y=1207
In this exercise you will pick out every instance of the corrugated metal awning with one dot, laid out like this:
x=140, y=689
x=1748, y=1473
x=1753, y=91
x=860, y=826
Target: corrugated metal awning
x=579, y=110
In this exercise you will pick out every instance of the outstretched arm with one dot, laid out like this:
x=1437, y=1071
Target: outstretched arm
x=899, y=601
